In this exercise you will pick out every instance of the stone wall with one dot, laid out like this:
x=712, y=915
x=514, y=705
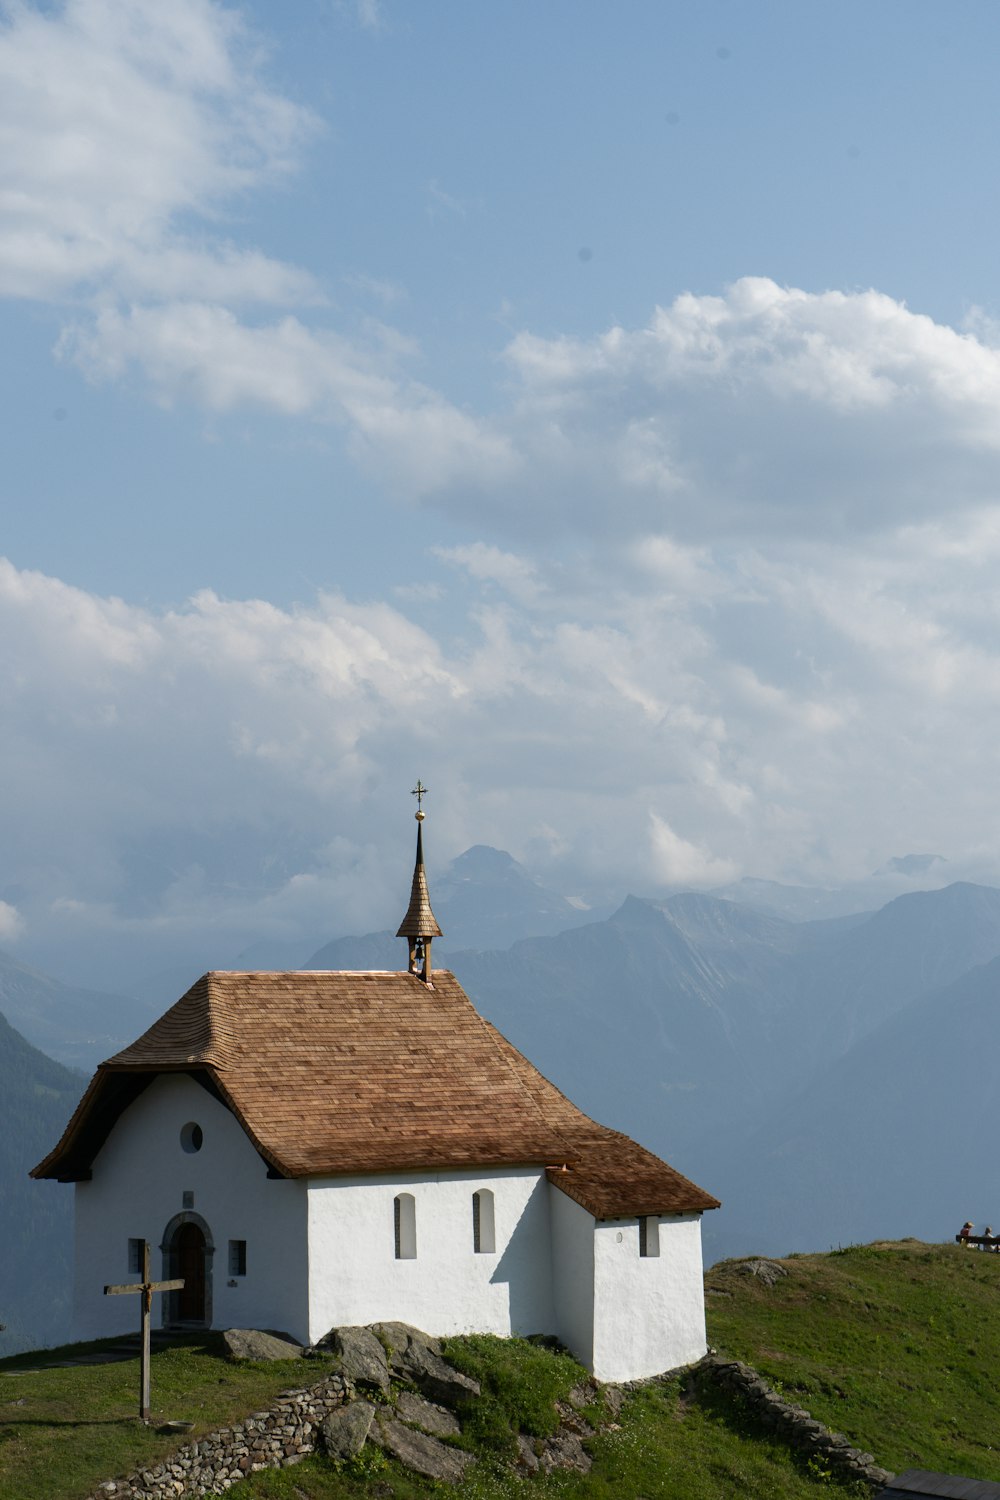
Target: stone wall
x=271, y=1439
x=791, y=1424
x=291, y=1429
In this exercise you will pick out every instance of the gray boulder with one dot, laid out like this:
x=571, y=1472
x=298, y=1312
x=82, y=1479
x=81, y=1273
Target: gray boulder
x=362, y=1358
x=767, y=1271
x=399, y=1338
x=345, y=1430
x=614, y=1398
x=253, y=1343
x=424, y=1455
x=526, y=1455
x=582, y=1395
x=414, y=1410
x=564, y=1451
x=434, y=1378
x=572, y=1421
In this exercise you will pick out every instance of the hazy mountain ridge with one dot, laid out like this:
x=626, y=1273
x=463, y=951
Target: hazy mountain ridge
x=37, y=1097
x=77, y=1027
x=894, y=1137
x=485, y=900
x=693, y=1021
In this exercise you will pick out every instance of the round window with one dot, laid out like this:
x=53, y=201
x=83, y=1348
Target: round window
x=191, y=1137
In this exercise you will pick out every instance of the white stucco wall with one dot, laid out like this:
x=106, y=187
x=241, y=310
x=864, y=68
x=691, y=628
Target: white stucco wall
x=139, y=1177
x=321, y=1252
x=572, y=1275
x=649, y=1311
x=354, y=1276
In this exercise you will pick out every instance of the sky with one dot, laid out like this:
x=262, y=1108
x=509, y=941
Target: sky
x=593, y=410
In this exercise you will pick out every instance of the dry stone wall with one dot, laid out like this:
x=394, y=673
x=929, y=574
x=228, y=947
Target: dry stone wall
x=271, y=1439
x=792, y=1424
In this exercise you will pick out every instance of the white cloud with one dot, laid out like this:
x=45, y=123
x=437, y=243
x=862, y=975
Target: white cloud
x=203, y=353
x=764, y=413
x=11, y=923
x=191, y=780
x=766, y=410
x=516, y=575
x=117, y=123
x=679, y=862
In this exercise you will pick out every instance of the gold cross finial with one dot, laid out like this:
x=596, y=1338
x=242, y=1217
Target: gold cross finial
x=420, y=792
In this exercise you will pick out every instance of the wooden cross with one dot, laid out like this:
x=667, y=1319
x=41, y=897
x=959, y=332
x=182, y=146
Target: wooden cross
x=147, y=1288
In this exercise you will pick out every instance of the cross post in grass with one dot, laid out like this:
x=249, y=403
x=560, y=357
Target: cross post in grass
x=147, y=1288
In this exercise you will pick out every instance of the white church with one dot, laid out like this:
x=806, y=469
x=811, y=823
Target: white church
x=313, y=1149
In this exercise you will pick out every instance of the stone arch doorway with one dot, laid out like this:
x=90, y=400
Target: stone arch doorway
x=188, y=1251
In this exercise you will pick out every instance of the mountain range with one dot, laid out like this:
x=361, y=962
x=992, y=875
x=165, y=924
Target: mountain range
x=77, y=1027
x=37, y=1097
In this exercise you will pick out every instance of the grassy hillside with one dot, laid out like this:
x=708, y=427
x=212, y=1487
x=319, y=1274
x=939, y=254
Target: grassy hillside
x=63, y=1430
x=894, y=1345
x=897, y=1345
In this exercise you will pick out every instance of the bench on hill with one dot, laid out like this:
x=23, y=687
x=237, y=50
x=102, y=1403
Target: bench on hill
x=984, y=1241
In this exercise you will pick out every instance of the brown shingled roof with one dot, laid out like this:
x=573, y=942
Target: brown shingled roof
x=334, y=1073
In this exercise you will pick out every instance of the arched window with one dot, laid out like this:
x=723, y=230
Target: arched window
x=404, y=1213
x=649, y=1236
x=484, y=1239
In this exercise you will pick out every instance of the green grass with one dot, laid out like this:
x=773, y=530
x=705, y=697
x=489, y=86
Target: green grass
x=895, y=1345
x=665, y=1448
x=64, y=1430
x=520, y=1383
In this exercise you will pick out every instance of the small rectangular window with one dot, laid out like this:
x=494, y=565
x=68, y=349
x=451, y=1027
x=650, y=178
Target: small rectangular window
x=237, y=1257
x=649, y=1236
x=135, y=1257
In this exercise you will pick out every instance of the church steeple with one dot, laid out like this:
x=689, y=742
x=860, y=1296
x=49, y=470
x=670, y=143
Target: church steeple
x=419, y=925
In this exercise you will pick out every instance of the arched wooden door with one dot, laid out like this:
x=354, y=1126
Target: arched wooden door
x=189, y=1258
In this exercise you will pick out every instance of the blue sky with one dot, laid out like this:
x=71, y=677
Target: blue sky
x=591, y=409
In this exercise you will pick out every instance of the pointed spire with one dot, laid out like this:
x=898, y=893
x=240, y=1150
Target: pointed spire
x=419, y=925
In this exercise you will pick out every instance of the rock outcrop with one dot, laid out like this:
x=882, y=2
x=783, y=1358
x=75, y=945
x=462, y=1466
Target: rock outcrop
x=362, y=1357
x=425, y=1415
x=253, y=1343
x=345, y=1432
x=422, y=1453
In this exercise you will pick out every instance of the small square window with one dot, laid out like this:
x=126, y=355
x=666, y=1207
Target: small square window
x=135, y=1248
x=237, y=1257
